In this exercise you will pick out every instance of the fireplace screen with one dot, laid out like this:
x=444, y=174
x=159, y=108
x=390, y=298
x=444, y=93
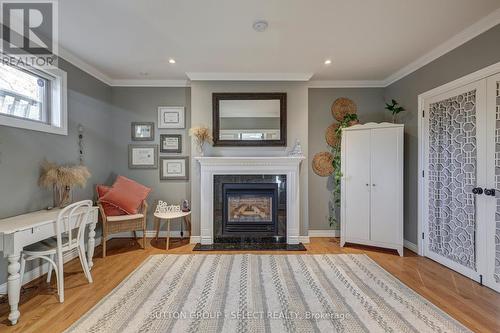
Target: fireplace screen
x=249, y=208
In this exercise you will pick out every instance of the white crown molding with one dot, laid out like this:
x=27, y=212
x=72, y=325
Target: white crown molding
x=201, y=76
x=461, y=38
x=150, y=83
x=84, y=66
x=346, y=84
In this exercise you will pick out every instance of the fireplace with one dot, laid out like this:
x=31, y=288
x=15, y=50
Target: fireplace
x=250, y=208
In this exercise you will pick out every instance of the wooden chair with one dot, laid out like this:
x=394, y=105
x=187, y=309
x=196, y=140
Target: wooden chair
x=70, y=228
x=122, y=223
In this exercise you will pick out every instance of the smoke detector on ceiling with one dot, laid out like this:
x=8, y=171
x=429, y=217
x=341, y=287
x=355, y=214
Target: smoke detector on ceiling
x=260, y=25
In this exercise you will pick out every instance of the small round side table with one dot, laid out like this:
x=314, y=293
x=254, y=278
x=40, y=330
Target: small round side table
x=168, y=216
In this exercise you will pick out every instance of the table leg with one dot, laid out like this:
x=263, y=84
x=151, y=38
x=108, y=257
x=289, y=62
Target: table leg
x=14, y=286
x=157, y=221
x=168, y=234
x=91, y=244
x=187, y=220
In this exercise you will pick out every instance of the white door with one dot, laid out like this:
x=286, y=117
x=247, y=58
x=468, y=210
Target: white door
x=385, y=194
x=492, y=274
x=455, y=151
x=357, y=185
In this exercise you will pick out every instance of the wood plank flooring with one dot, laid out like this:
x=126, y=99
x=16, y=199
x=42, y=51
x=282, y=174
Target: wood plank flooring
x=475, y=306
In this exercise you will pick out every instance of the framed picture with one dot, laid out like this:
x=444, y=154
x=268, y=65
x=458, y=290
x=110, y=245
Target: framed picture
x=171, y=117
x=143, y=131
x=174, y=168
x=143, y=156
x=170, y=143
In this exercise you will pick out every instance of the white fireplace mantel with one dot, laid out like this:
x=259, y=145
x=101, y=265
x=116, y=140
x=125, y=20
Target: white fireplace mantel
x=288, y=166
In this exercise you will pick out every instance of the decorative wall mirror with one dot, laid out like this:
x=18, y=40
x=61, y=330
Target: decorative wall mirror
x=249, y=119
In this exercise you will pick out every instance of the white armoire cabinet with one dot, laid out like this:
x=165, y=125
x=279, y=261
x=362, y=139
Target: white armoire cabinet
x=372, y=185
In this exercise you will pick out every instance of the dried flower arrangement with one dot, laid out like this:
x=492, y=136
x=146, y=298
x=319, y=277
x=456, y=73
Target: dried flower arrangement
x=202, y=135
x=62, y=178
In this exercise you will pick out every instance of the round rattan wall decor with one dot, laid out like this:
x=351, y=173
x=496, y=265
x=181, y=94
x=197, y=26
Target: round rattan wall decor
x=331, y=136
x=322, y=164
x=341, y=107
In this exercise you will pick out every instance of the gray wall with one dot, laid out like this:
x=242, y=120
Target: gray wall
x=478, y=53
x=370, y=103
x=23, y=150
x=141, y=104
x=201, y=112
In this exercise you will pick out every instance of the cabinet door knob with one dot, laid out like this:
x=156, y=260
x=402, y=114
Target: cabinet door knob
x=373, y=185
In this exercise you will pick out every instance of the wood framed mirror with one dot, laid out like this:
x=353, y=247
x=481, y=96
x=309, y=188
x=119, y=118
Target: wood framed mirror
x=249, y=119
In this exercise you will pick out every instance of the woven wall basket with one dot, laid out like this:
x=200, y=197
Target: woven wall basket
x=331, y=136
x=341, y=107
x=322, y=164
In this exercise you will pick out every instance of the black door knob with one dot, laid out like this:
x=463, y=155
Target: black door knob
x=477, y=190
x=489, y=191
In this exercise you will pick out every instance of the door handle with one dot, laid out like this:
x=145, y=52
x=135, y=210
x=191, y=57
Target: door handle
x=477, y=190
x=489, y=191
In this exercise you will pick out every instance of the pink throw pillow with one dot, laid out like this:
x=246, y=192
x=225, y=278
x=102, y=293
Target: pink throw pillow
x=109, y=209
x=126, y=194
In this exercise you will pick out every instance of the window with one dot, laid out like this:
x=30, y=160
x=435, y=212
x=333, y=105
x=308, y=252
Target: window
x=33, y=99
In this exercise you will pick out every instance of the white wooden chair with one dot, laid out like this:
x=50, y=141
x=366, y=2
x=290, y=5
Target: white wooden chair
x=70, y=230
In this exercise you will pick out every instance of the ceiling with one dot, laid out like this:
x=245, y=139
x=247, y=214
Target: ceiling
x=365, y=40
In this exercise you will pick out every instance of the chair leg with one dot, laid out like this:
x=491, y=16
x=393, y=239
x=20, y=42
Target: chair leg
x=83, y=260
x=21, y=271
x=104, y=239
x=135, y=235
x=60, y=276
x=49, y=273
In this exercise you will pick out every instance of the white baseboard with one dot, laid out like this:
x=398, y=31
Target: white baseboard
x=44, y=268
x=324, y=233
x=149, y=234
x=195, y=239
x=411, y=246
x=304, y=239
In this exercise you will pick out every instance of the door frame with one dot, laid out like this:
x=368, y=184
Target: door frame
x=422, y=131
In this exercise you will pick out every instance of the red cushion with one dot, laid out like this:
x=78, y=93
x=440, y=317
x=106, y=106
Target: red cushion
x=109, y=209
x=126, y=194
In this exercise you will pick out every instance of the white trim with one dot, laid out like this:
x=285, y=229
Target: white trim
x=324, y=233
x=195, y=240
x=84, y=66
x=410, y=246
x=202, y=76
x=149, y=234
x=304, y=239
x=467, y=79
x=149, y=83
x=346, y=84
x=457, y=40
x=42, y=269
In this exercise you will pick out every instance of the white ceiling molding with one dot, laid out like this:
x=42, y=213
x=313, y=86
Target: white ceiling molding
x=461, y=38
x=89, y=69
x=346, y=84
x=150, y=83
x=202, y=76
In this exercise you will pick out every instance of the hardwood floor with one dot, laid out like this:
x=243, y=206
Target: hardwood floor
x=476, y=307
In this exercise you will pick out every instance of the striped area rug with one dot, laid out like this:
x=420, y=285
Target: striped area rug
x=263, y=293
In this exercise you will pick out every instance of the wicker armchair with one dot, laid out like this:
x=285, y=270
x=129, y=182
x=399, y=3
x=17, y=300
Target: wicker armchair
x=121, y=223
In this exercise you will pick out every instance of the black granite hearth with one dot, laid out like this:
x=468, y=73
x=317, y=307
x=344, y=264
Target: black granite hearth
x=250, y=247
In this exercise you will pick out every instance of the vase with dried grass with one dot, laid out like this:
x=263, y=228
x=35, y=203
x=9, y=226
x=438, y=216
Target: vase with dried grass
x=62, y=178
x=202, y=136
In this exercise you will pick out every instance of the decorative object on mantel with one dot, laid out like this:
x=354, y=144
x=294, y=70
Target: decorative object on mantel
x=296, y=151
x=395, y=108
x=323, y=164
x=62, y=178
x=341, y=107
x=202, y=135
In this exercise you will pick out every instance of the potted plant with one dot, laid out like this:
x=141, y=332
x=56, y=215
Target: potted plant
x=394, y=108
x=62, y=178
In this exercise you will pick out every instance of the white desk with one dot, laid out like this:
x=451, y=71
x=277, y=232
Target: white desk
x=22, y=230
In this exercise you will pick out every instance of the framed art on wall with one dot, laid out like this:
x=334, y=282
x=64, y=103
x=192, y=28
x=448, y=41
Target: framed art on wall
x=142, y=131
x=174, y=168
x=170, y=143
x=171, y=117
x=143, y=156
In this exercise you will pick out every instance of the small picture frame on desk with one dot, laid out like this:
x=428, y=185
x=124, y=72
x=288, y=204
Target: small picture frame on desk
x=174, y=168
x=171, y=143
x=143, y=156
x=171, y=117
x=142, y=131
